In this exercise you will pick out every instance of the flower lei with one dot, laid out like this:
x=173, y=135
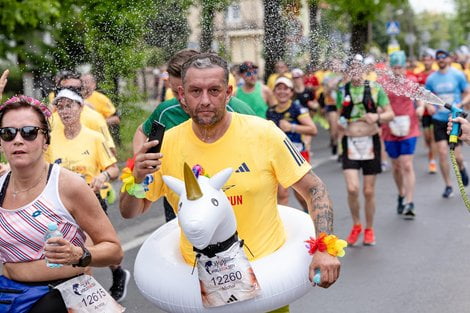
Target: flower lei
x=329, y=243
x=31, y=101
x=128, y=181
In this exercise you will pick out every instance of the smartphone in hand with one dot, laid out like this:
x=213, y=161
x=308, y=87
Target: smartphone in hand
x=156, y=133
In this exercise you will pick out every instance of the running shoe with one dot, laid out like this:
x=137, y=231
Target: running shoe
x=400, y=204
x=432, y=167
x=369, y=237
x=448, y=192
x=354, y=234
x=409, y=211
x=463, y=173
x=121, y=279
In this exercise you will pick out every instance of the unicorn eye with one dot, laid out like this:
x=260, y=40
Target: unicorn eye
x=215, y=202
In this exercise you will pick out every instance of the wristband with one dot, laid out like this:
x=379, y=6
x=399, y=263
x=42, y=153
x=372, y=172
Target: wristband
x=128, y=181
x=329, y=243
x=108, y=177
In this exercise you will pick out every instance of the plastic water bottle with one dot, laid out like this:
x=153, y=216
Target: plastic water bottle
x=52, y=231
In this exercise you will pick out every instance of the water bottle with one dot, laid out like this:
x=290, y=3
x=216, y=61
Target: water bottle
x=52, y=231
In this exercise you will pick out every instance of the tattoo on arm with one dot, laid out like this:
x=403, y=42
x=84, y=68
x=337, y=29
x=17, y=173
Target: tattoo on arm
x=322, y=210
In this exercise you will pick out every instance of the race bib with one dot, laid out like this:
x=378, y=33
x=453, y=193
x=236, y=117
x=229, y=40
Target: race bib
x=400, y=125
x=360, y=148
x=83, y=294
x=226, y=278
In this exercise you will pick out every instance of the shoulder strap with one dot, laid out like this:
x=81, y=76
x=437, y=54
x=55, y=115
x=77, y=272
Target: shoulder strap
x=347, y=106
x=367, y=99
x=3, y=191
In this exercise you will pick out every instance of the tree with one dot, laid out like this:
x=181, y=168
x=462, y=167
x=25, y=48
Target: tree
x=274, y=35
x=169, y=28
x=360, y=14
x=208, y=10
x=314, y=30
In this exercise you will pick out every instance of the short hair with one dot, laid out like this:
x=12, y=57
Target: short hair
x=175, y=64
x=205, y=60
x=64, y=75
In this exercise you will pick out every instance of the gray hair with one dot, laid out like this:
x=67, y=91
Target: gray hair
x=203, y=61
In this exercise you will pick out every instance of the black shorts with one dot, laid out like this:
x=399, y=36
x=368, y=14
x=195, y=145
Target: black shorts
x=369, y=167
x=440, y=131
x=51, y=302
x=330, y=108
x=426, y=121
x=103, y=203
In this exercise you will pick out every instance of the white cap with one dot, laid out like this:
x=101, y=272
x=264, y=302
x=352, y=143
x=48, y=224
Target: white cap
x=297, y=72
x=69, y=94
x=284, y=80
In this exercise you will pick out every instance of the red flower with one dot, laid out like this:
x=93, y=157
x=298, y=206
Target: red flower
x=130, y=163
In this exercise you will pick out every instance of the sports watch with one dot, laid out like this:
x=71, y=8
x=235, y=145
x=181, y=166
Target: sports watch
x=84, y=260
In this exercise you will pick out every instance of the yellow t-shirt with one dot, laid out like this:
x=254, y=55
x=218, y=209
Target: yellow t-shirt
x=88, y=118
x=87, y=154
x=169, y=94
x=272, y=79
x=101, y=104
x=260, y=155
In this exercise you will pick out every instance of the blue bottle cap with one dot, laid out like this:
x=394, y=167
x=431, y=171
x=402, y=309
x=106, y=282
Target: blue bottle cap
x=52, y=226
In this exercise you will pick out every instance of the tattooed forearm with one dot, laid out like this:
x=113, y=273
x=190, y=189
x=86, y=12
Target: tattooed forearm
x=322, y=210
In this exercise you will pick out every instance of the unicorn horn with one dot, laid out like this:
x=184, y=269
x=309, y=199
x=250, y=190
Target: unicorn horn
x=193, y=191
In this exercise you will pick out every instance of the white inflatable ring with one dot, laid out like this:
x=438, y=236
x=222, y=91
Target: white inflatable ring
x=165, y=279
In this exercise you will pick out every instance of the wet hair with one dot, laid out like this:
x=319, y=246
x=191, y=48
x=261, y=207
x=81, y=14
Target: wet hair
x=64, y=75
x=203, y=61
x=175, y=65
x=23, y=103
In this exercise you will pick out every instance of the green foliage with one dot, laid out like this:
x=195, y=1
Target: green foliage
x=169, y=29
x=134, y=116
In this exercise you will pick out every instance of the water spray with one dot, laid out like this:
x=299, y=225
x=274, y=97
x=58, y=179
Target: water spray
x=403, y=86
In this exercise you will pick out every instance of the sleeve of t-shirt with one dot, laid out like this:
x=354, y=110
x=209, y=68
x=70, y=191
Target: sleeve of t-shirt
x=463, y=84
x=339, y=98
x=428, y=83
x=286, y=161
x=105, y=156
x=108, y=108
x=239, y=106
x=382, y=98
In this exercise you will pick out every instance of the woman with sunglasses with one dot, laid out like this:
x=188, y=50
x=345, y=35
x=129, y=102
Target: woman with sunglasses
x=85, y=152
x=34, y=194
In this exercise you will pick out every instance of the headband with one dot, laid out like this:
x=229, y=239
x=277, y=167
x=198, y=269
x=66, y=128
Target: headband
x=31, y=101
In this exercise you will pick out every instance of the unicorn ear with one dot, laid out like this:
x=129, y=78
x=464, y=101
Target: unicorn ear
x=218, y=180
x=175, y=184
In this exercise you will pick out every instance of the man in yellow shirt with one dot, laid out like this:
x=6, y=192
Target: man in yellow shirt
x=260, y=153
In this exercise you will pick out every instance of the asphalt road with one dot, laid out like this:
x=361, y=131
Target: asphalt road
x=416, y=266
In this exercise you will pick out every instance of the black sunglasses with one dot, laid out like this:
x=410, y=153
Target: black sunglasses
x=28, y=133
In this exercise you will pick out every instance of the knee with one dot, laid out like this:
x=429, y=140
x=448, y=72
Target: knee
x=353, y=191
x=369, y=192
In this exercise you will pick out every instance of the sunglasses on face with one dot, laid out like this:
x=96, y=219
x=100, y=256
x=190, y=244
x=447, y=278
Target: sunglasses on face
x=28, y=133
x=441, y=57
x=251, y=73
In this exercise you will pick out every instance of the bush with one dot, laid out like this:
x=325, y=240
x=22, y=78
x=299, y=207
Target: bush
x=132, y=116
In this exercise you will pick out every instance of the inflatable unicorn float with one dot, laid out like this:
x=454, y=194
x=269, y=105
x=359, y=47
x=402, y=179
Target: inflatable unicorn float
x=208, y=221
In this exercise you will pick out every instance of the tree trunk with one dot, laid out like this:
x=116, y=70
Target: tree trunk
x=313, y=35
x=359, y=34
x=274, y=35
x=207, y=26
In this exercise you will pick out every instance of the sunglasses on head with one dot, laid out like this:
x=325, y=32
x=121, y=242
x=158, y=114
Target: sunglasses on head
x=28, y=133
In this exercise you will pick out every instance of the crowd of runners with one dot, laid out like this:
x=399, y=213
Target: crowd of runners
x=372, y=127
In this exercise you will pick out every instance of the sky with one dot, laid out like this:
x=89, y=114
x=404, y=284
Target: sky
x=433, y=5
